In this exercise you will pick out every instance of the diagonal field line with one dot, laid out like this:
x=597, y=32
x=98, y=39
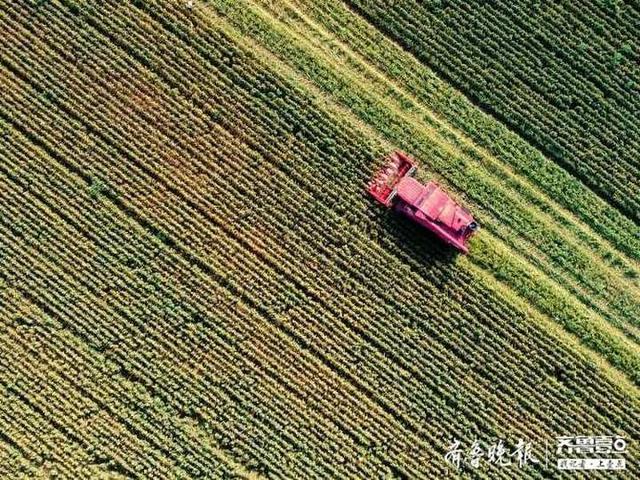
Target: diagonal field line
x=90, y=238
x=618, y=319
x=416, y=64
x=504, y=171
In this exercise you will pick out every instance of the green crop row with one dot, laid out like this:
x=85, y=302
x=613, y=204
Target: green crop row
x=563, y=253
x=35, y=443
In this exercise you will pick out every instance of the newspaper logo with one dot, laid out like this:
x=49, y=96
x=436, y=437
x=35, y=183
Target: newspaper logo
x=578, y=452
x=591, y=452
x=497, y=454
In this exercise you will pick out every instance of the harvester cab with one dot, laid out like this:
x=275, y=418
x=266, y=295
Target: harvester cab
x=428, y=205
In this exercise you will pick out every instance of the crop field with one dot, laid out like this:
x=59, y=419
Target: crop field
x=194, y=282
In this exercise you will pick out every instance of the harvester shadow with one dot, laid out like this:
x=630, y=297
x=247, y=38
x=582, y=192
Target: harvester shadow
x=427, y=253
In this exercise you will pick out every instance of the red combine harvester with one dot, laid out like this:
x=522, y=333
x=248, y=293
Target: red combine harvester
x=427, y=205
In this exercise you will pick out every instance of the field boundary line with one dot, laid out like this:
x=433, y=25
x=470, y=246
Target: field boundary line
x=569, y=339
x=456, y=131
